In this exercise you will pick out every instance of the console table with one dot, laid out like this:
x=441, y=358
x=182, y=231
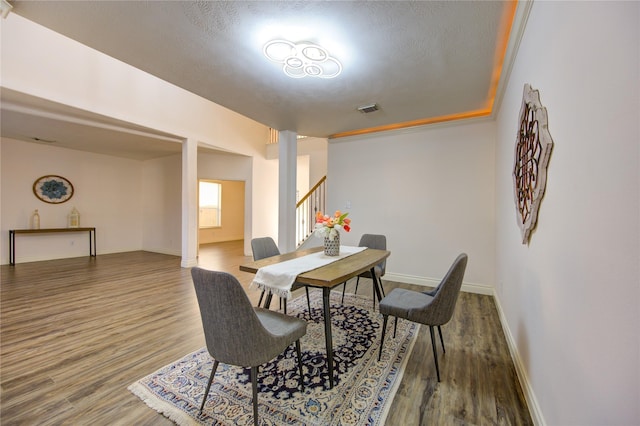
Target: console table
x=13, y=232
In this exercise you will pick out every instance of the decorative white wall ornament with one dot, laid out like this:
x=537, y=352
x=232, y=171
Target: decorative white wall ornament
x=533, y=149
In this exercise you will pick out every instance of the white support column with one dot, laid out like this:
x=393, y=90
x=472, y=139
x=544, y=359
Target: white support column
x=189, y=203
x=287, y=154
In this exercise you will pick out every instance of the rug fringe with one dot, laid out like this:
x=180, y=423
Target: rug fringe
x=166, y=409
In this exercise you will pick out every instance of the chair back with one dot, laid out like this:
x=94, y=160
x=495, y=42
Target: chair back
x=375, y=241
x=232, y=330
x=440, y=310
x=264, y=247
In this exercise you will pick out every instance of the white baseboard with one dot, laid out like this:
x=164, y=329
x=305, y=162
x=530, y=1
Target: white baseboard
x=189, y=263
x=529, y=394
x=432, y=282
x=162, y=250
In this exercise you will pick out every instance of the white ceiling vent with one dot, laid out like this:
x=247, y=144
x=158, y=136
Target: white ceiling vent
x=368, y=108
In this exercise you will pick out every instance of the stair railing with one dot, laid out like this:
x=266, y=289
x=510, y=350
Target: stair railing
x=307, y=208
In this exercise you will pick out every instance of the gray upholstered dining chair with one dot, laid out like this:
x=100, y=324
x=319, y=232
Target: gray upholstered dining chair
x=265, y=247
x=432, y=308
x=238, y=334
x=372, y=241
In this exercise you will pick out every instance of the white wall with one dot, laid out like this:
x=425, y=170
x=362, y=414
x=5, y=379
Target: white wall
x=429, y=190
x=302, y=176
x=161, y=208
x=106, y=193
x=571, y=298
x=316, y=149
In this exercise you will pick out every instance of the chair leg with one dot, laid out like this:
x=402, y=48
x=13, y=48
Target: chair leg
x=285, y=304
x=374, y=294
x=308, y=300
x=441, y=340
x=374, y=291
x=357, y=281
x=344, y=286
x=395, y=326
x=299, y=353
x=261, y=297
x=435, y=352
x=267, y=300
x=384, y=327
x=254, y=386
x=206, y=393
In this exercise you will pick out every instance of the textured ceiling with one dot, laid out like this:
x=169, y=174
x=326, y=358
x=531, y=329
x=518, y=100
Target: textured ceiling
x=418, y=60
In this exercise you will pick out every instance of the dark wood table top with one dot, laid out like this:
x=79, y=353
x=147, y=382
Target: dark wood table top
x=43, y=230
x=328, y=275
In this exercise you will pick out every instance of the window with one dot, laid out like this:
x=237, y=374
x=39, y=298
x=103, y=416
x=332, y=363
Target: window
x=210, y=203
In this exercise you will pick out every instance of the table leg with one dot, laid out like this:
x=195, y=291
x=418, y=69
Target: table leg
x=327, y=332
x=12, y=248
x=92, y=243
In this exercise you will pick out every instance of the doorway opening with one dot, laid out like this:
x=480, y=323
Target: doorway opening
x=220, y=210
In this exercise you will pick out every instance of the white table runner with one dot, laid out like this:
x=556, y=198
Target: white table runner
x=279, y=278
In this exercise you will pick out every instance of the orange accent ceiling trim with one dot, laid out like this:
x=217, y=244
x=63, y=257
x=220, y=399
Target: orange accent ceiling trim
x=414, y=123
x=502, y=44
x=508, y=15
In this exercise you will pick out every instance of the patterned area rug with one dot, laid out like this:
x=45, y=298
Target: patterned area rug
x=362, y=393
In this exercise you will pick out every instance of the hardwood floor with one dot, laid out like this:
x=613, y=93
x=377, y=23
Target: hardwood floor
x=76, y=332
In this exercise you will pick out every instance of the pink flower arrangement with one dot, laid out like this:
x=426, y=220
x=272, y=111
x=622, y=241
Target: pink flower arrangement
x=328, y=226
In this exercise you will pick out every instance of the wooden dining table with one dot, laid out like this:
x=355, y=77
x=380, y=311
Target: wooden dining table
x=327, y=277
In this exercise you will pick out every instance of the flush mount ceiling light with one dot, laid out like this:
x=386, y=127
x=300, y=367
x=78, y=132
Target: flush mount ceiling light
x=302, y=59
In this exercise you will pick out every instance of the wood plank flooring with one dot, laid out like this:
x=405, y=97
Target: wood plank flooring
x=74, y=333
